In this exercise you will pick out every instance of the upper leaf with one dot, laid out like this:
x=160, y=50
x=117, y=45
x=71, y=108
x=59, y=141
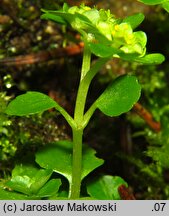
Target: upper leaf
x=30, y=103
x=58, y=157
x=102, y=50
x=120, y=96
x=153, y=2
x=55, y=18
x=165, y=5
x=134, y=20
x=105, y=187
x=155, y=58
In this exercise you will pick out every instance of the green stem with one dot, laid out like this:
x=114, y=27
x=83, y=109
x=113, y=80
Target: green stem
x=82, y=93
x=74, y=192
x=83, y=88
x=86, y=62
x=87, y=75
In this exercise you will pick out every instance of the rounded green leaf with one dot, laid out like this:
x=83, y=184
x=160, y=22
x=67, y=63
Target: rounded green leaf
x=50, y=188
x=41, y=177
x=20, y=184
x=120, y=96
x=134, y=20
x=22, y=178
x=105, y=187
x=77, y=21
x=58, y=157
x=102, y=50
x=155, y=58
x=30, y=103
x=50, y=16
x=10, y=195
x=166, y=6
x=28, y=179
x=153, y=2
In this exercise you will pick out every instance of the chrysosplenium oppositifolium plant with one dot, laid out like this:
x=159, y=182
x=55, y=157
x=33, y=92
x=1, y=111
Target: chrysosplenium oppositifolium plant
x=105, y=37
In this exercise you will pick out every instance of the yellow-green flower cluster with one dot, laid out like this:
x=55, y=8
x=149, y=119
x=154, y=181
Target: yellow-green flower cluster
x=102, y=24
x=129, y=41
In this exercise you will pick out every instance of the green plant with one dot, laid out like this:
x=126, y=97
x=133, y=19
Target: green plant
x=106, y=37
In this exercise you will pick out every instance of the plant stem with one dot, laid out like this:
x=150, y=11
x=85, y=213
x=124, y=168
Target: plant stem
x=83, y=90
x=78, y=131
x=86, y=62
x=76, y=164
x=87, y=75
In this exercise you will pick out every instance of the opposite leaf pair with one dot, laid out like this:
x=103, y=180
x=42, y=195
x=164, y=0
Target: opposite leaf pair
x=118, y=98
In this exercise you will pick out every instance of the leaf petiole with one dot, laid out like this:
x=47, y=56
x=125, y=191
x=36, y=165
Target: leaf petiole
x=66, y=115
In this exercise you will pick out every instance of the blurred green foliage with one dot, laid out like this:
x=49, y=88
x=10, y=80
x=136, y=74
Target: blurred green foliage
x=152, y=160
x=6, y=147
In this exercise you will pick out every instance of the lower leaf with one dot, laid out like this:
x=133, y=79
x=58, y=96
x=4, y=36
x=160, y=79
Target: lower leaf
x=105, y=187
x=50, y=188
x=11, y=195
x=58, y=157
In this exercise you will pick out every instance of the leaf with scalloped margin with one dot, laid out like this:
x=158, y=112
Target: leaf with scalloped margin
x=105, y=187
x=58, y=157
